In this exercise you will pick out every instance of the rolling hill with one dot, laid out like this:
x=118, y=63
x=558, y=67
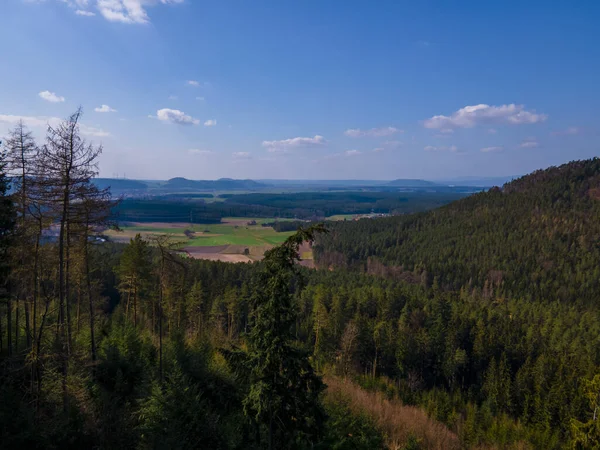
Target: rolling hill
x=220, y=184
x=537, y=237
x=412, y=183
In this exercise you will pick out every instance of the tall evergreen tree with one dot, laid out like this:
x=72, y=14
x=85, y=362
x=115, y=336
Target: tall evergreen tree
x=134, y=273
x=284, y=392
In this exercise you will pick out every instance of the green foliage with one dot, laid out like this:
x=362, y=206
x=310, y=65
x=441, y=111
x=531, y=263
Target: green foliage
x=176, y=415
x=283, y=398
x=536, y=239
x=587, y=434
x=125, y=359
x=346, y=430
x=134, y=272
x=302, y=205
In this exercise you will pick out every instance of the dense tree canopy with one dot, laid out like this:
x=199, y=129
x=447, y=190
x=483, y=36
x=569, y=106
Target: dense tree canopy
x=535, y=238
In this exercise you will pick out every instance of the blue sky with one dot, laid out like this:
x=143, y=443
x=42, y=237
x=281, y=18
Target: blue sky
x=309, y=89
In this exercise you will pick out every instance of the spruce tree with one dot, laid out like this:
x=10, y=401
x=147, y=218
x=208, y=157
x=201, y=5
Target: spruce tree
x=283, y=398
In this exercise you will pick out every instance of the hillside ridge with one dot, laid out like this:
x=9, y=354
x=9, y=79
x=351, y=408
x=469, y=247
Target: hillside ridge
x=537, y=236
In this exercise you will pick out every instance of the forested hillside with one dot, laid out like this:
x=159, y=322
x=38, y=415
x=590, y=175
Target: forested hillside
x=537, y=237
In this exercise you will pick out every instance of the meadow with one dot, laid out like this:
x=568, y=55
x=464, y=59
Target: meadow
x=235, y=239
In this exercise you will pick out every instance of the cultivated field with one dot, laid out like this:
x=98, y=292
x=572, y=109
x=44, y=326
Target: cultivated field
x=233, y=240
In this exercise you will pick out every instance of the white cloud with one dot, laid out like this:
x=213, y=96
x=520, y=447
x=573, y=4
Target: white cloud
x=377, y=150
x=210, y=123
x=197, y=151
x=172, y=97
x=200, y=99
x=30, y=121
x=373, y=132
x=105, y=109
x=129, y=11
x=492, y=131
x=529, y=143
x=242, y=155
x=51, y=97
x=123, y=11
x=568, y=132
x=175, y=116
x=297, y=142
x=352, y=152
x=198, y=84
x=470, y=116
x=451, y=148
x=42, y=122
x=491, y=149
x=92, y=131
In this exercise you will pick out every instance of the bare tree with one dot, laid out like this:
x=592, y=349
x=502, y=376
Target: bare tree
x=6, y=231
x=69, y=164
x=21, y=151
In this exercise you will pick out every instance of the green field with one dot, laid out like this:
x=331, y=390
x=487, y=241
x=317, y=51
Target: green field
x=226, y=234
x=233, y=231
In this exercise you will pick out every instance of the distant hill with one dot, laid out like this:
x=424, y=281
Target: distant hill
x=412, y=183
x=407, y=183
x=120, y=184
x=323, y=183
x=220, y=184
x=537, y=237
x=478, y=181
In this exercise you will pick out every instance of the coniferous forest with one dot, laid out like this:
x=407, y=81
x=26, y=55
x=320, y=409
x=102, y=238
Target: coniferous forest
x=475, y=325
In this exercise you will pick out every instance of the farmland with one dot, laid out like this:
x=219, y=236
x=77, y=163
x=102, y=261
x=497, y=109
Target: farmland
x=239, y=227
x=232, y=240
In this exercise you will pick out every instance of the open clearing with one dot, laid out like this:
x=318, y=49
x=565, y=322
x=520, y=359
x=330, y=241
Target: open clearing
x=232, y=240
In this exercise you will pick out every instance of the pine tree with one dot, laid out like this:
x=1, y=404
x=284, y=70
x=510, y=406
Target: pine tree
x=134, y=273
x=587, y=434
x=283, y=399
x=195, y=306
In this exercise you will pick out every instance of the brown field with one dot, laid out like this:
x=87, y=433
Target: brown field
x=225, y=253
x=223, y=257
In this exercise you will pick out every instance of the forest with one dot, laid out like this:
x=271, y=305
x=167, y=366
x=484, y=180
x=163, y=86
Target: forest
x=471, y=326
x=301, y=205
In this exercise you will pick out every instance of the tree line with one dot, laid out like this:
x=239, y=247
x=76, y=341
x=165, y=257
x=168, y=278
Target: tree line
x=303, y=205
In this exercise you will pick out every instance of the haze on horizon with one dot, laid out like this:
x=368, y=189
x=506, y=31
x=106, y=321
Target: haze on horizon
x=306, y=90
